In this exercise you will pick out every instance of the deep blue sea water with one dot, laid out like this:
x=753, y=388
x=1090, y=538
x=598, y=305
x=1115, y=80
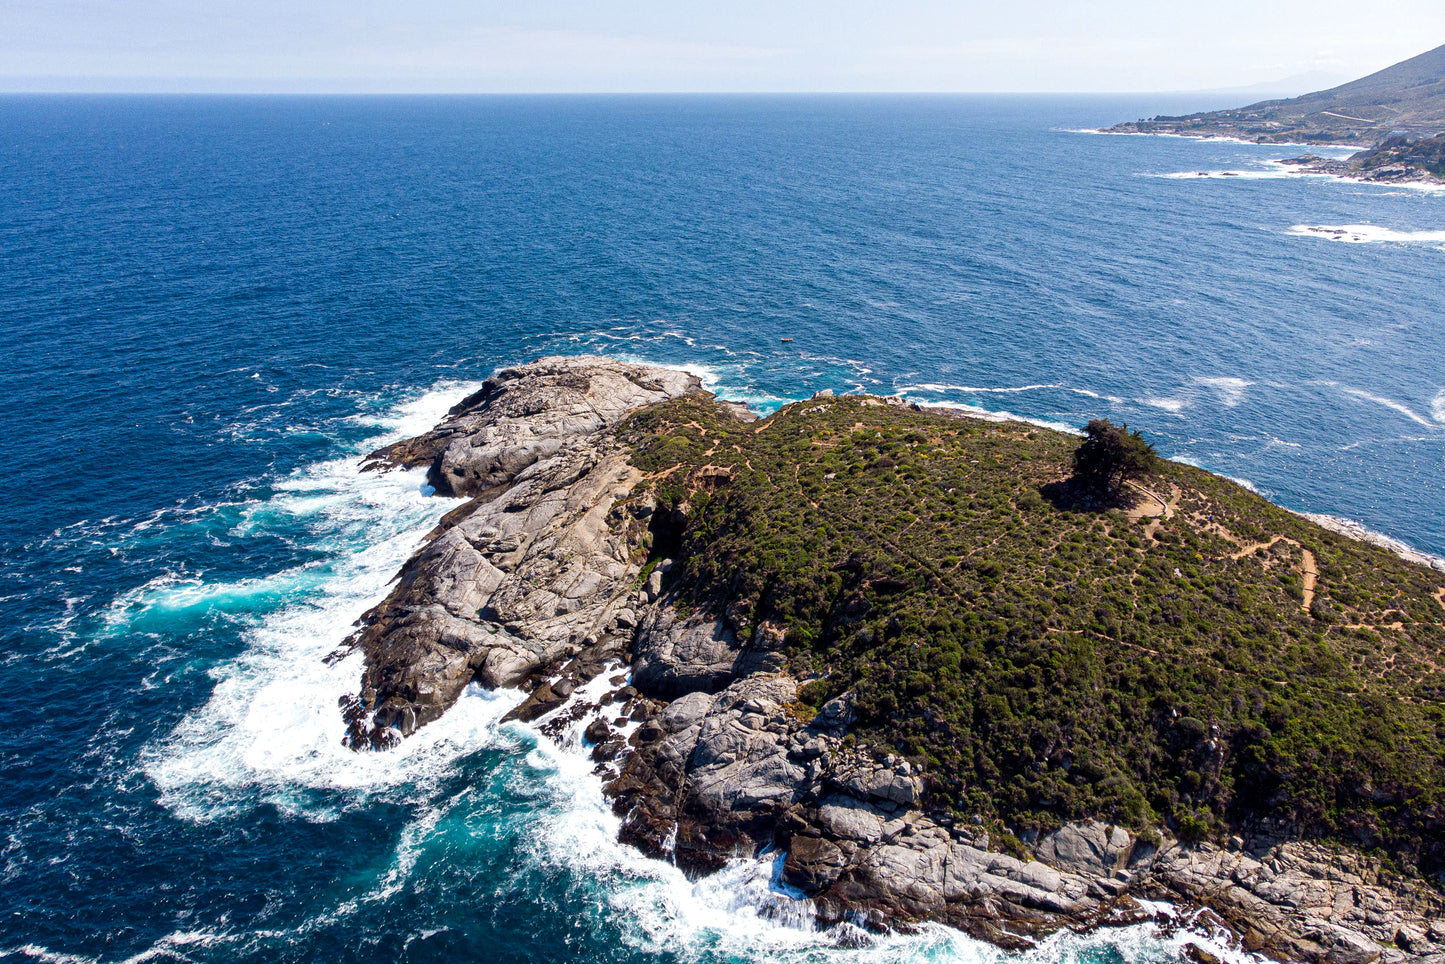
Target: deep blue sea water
x=210, y=307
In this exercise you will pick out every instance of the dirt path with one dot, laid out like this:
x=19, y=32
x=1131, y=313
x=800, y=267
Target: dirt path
x=1376, y=627
x=1311, y=575
x=1308, y=568
x=1440, y=597
x=1158, y=505
x=1251, y=550
x=1157, y=509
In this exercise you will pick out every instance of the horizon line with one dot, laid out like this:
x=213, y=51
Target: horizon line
x=261, y=92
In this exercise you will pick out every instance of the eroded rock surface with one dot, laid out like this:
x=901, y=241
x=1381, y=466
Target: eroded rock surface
x=536, y=565
x=537, y=581
x=528, y=414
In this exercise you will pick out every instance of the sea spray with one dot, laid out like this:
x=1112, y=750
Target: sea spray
x=744, y=912
x=271, y=722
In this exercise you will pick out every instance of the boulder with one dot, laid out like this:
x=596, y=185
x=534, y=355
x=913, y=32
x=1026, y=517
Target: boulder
x=813, y=864
x=1089, y=847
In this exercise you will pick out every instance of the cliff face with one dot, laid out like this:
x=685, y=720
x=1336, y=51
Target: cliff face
x=578, y=570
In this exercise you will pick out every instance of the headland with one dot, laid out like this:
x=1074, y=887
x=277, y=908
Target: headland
x=905, y=648
x=1397, y=115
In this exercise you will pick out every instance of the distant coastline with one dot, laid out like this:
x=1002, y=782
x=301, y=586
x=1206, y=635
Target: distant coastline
x=1396, y=116
x=1386, y=163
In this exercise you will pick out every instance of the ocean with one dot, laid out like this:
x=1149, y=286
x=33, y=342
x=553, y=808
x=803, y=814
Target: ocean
x=211, y=307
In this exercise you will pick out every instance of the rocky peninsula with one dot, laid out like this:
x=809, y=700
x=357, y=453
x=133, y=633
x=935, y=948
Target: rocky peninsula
x=1397, y=160
x=896, y=645
x=1406, y=100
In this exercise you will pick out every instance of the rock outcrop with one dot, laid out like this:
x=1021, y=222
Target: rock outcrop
x=542, y=580
x=1378, y=165
x=536, y=565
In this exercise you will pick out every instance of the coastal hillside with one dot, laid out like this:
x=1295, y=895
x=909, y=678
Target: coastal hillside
x=942, y=677
x=1407, y=98
x=1197, y=658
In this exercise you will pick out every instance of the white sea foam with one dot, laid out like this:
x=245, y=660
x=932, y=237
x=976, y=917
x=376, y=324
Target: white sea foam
x=1390, y=403
x=1244, y=174
x=1231, y=390
x=271, y=725
x=995, y=415
x=1111, y=399
x=1174, y=405
x=710, y=376
x=169, y=948
x=45, y=955
x=1182, y=137
x=1396, y=187
x=1218, y=139
x=1437, y=407
x=1365, y=234
x=1243, y=483
x=419, y=414
x=978, y=411
x=943, y=389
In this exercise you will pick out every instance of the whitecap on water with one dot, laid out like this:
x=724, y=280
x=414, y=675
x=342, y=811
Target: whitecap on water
x=1390, y=403
x=1171, y=405
x=1231, y=390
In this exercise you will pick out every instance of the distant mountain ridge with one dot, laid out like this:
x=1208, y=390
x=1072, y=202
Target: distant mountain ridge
x=1407, y=98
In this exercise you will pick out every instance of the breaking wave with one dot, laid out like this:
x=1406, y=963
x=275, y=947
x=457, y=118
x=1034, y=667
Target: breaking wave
x=1366, y=234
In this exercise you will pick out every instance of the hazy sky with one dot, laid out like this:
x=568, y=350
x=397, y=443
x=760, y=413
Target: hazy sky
x=676, y=45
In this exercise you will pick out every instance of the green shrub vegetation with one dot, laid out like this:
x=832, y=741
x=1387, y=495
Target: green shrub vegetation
x=1162, y=658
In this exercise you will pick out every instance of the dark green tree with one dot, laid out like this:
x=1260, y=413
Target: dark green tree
x=1111, y=455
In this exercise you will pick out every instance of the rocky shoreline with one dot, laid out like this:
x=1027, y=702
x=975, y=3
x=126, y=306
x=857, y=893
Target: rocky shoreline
x=554, y=577
x=1355, y=169
x=1377, y=164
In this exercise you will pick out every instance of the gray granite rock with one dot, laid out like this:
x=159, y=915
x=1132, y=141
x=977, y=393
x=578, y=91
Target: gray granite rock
x=534, y=582
x=526, y=573
x=529, y=413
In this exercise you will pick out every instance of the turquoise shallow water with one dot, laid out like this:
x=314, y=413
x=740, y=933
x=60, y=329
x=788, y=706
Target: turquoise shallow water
x=212, y=307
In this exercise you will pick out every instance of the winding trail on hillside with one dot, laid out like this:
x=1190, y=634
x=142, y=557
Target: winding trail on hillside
x=1256, y=547
x=1309, y=569
x=1158, y=513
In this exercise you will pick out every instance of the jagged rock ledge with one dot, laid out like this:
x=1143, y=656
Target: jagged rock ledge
x=551, y=578
x=1378, y=165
